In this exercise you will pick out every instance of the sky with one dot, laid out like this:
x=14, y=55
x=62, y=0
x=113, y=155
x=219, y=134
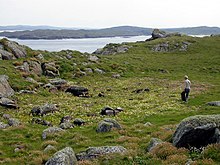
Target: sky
x=109, y=13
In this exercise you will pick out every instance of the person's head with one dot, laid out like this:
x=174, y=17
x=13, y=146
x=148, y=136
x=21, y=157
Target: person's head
x=186, y=77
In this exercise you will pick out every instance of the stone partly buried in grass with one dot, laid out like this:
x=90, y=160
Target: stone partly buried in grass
x=51, y=131
x=94, y=152
x=197, y=131
x=107, y=125
x=65, y=156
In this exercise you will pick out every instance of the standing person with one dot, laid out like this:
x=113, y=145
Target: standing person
x=187, y=87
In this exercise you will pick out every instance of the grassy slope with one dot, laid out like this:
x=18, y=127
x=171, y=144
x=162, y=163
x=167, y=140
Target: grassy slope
x=139, y=69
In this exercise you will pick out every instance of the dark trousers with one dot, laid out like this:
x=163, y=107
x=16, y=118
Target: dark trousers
x=187, y=93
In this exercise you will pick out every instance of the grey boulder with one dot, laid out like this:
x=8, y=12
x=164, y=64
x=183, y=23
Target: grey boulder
x=197, y=131
x=5, y=88
x=65, y=156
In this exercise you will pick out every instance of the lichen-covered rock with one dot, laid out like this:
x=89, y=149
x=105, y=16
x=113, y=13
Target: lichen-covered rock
x=8, y=103
x=197, y=131
x=51, y=130
x=49, y=148
x=94, y=152
x=65, y=156
x=43, y=110
x=214, y=103
x=41, y=121
x=13, y=122
x=66, y=125
x=153, y=143
x=5, y=88
x=107, y=124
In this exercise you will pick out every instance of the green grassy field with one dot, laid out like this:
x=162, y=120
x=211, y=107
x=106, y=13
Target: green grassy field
x=139, y=68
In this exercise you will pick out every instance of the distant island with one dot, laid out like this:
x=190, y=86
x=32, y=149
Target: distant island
x=49, y=32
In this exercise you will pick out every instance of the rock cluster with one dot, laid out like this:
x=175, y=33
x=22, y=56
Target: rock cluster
x=11, y=50
x=43, y=110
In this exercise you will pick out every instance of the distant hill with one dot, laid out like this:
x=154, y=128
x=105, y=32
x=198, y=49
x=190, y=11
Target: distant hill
x=47, y=32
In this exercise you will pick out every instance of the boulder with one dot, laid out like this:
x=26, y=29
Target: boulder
x=78, y=122
x=197, y=131
x=8, y=103
x=49, y=148
x=93, y=58
x=214, y=103
x=51, y=130
x=43, y=110
x=110, y=111
x=153, y=143
x=107, y=124
x=65, y=156
x=66, y=119
x=100, y=71
x=66, y=125
x=5, y=88
x=35, y=67
x=157, y=33
x=13, y=122
x=94, y=152
x=78, y=91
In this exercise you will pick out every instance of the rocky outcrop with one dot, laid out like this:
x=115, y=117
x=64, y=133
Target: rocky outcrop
x=197, y=131
x=112, y=49
x=43, y=110
x=11, y=50
x=65, y=156
x=50, y=69
x=214, y=103
x=170, y=47
x=107, y=125
x=5, y=55
x=5, y=88
x=78, y=91
x=94, y=152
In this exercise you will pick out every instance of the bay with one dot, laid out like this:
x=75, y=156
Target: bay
x=88, y=45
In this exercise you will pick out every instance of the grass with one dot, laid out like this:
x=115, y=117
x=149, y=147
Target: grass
x=139, y=69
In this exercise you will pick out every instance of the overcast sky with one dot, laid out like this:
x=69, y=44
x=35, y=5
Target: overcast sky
x=108, y=13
